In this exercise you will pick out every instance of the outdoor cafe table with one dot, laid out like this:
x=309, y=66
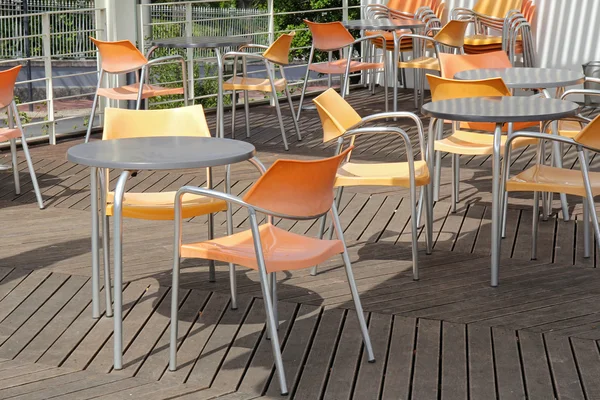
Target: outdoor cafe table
x=533, y=78
x=387, y=24
x=146, y=153
x=498, y=110
x=215, y=43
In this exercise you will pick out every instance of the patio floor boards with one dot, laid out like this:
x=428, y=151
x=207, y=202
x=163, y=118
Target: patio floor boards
x=447, y=336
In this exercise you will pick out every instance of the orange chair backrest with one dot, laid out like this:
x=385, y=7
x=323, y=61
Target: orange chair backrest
x=409, y=6
x=451, y=64
x=529, y=13
x=497, y=8
x=183, y=121
x=443, y=88
x=329, y=35
x=8, y=78
x=438, y=9
x=119, y=56
x=279, y=51
x=453, y=33
x=297, y=188
x=590, y=135
x=337, y=116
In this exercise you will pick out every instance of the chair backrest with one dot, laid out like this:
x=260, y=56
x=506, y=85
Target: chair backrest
x=337, y=116
x=409, y=6
x=497, y=8
x=296, y=188
x=451, y=64
x=443, y=88
x=184, y=121
x=279, y=51
x=453, y=33
x=329, y=35
x=120, y=56
x=7, y=85
x=590, y=135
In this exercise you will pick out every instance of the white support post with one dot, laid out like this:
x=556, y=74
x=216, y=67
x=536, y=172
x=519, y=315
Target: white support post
x=189, y=32
x=347, y=52
x=271, y=11
x=47, y=56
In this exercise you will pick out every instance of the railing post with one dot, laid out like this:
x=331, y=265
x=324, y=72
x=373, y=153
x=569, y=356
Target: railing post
x=348, y=52
x=190, y=52
x=47, y=56
x=271, y=30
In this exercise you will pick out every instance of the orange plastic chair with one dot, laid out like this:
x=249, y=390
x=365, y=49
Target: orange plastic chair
x=8, y=78
x=123, y=123
x=340, y=121
x=333, y=36
x=462, y=141
x=544, y=178
x=276, y=55
x=449, y=38
x=121, y=57
x=291, y=189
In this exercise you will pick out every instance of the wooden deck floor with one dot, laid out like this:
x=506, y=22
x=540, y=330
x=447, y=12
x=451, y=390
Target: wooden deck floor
x=447, y=336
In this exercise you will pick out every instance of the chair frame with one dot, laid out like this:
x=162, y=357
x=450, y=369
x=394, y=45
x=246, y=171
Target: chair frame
x=270, y=67
x=268, y=281
x=142, y=78
x=416, y=206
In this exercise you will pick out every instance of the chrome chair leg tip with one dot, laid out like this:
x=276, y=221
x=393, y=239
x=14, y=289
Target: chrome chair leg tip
x=371, y=361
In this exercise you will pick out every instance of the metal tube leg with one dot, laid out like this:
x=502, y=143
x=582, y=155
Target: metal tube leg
x=496, y=200
x=266, y=293
x=438, y=163
x=278, y=109
x=589, y=194
x=220, y=111
x=414, y=232
x=273, y=284
x=233, y=107
x=247, y=113
x=313, y=270
x=95, y=244
x=118, y=265
x=15, y=165
x=353, y=289
x=428, y=220
x=211, y=228
x=232, y=274
x=291, y=103
x=106, y=251
x=420, y=205
x=586, y=229
x=36, y=187
x=305, y=84
x=395, y=71
x=338, y=200
x=174, y=311
x=455, y=161
x=91, y=121
x=535, y=224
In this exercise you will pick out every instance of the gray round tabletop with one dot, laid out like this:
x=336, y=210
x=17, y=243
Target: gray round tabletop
x=501, y=109
x=384, y=24
x=201, y=42
x=526, y=78
x=161, y=152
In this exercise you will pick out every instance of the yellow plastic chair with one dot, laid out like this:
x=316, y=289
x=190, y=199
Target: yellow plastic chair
x=541, y=178
x=124, y=123
x=463, y=141
x=340, y=121
x=449, y=38
x=276, y=55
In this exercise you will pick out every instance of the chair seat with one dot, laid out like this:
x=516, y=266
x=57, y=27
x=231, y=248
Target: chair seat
x=339, y=66
x=9, y=133
x=160, y=206
x=483, y=40
x=282, y=250
x=490, y=126
x=381, y=174
x=569, y=129
x=260, y=84
x=544, y=178
x=430, y=63
x=476, y=143
x=130, y=92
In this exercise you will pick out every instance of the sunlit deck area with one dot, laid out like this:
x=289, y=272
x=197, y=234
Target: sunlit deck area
x=447, y=336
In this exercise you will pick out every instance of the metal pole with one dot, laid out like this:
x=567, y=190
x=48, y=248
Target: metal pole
x=28, y=52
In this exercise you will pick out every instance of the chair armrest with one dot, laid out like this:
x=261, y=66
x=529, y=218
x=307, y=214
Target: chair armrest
x=234, y=54
x=593, y=80
x=253, y=46
x=165, y=59
x=587, y=92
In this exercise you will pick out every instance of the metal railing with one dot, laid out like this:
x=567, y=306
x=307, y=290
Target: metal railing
x=51, y=42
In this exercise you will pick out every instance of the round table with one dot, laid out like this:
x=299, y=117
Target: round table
x=498, y=110
x=144, y=153
x=214, y=43
x=533, y=78
x=388, y=24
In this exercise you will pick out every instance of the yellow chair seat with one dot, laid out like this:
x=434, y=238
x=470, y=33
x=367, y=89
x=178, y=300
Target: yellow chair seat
x=339, y=66
x=482, y=40
x=160, y=206
x=382, y=174
x=421, y=63
x=130, y=92
x=569, y=129
x=476, y=143
x=544, y=178
x=260, y=84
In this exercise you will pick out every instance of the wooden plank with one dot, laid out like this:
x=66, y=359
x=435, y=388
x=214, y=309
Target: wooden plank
x=380, y=221
x=34, y=382
x=454, y=362
x=369, y=382
x=427, y=352
x=482, y=384
x=587, y=356
x=562, y=364
x=399, y=371
x=535, y=366
x=17, y=290
x=507, y=364
x=465, y=241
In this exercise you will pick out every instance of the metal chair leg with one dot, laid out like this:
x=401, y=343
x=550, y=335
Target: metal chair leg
x=420, y=205
x=247, y=113
x=535, y=224
x=586, y=230
x=313, y=270
x=233, y=107
x=291, y=104
x=414, y=232
x=338, y=200
x=105, y=241
x=94, y=105
x=232, y=273
x=305, y=84
x=36, y=187
x=428, y=220
x=15, y=165
x=353, y=289
x=455, y=174
x=589, y=194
